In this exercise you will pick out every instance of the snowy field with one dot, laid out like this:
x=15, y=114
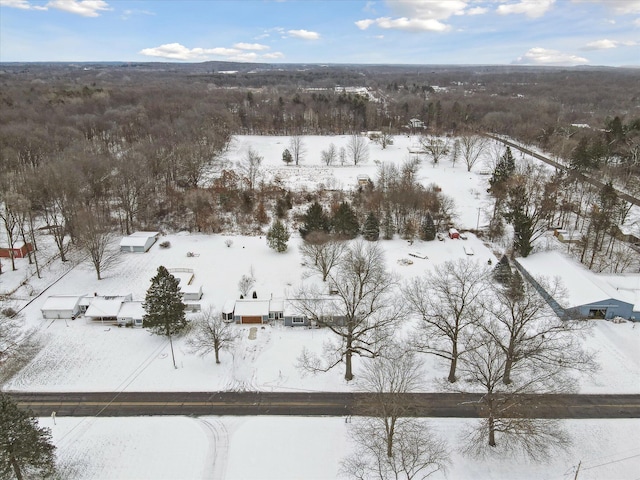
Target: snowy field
x=290, y=448
x=81, y=356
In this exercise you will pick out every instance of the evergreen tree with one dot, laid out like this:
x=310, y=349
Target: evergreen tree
x=502, y=271
x=388, y=229
x=409, y=230
x=502, y=171
x=164, y=308
x=428, y=228
x=287, y=157
x=315, y=220
x=25, y=448
x=277, y=237
x=516, y=214
x=345, y=222
x=515, y=287
x=371, y=228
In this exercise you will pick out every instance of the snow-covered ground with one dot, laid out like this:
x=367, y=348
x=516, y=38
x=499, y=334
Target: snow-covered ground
x=288, y=448
x=81, y=356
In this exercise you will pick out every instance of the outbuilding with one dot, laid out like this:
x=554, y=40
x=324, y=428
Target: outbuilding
x=453, y=233
x=20, y=249
x=584, y=294
x=139, y=242
x=61, y=306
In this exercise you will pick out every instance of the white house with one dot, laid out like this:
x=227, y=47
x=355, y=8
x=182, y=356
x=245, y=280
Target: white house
x=131, y=313
x=106, y=308
x=251, y=311
x=61, y=306
x=138, y=242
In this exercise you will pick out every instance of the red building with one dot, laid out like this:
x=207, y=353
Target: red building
x=20, y=250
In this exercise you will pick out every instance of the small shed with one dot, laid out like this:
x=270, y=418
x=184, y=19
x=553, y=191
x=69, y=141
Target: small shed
x=190, y=292
x=453, y=233
x=131, y=313
x=251, y=311
x=139, y=242
x=20, y=250
x=61, y=306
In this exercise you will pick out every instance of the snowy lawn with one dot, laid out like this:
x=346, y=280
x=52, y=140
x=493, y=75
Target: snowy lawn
x=283, y=448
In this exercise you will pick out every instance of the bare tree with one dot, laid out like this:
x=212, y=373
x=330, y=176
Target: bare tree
x=522, y=324
x=250, y=167
x=322, y=252
x=329, y=155
x=385, y=138
x=507, y=411
x=447, y=300
x=10, y=333
x=212, y=334
x=297, y=148
x=94, y=239
x=245, y=284
x=358, y=149
x=417, y=454
x=436, y=147
x=387, y=377
x=360, y=314
x=10, y=221
x=471, y=147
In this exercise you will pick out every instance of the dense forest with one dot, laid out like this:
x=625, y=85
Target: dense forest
x=88, y=149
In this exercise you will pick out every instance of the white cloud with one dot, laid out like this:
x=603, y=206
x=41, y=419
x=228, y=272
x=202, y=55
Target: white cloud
x=530, y=8
x=544, y=56
x=177, y=51
x=606, y=44
x=477, y=11
x=21, y=4
x=421, y=15
x=273, y=55
x=427, y=9
x=250, y=46
x=364, y=24
x=404, y=23
x=304, y=34
x=619, y=7
x=86, y=8
x=127, y=14
x=636, y=22
x=601, y=45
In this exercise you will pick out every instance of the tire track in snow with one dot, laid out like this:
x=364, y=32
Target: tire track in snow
x=215, y=467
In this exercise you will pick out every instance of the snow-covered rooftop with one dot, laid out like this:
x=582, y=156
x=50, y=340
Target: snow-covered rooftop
x=105, y=307
x=252, y=307
x=132, y=241
x=131, y=310
x=580, y=284
x=61, y=302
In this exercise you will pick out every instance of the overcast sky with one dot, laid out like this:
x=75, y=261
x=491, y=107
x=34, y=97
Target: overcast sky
x=530, y=32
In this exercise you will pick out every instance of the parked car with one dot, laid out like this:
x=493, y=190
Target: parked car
x=463, y=236
x=440, y=236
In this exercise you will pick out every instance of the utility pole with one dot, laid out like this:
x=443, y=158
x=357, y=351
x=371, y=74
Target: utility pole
x=575, y=477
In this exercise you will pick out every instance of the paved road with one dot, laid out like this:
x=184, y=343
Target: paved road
x=312, y=404
x=595, y=182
